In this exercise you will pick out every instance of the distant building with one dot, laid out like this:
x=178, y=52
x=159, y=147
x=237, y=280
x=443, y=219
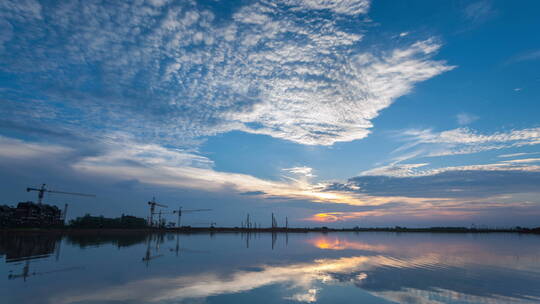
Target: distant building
x=29, y=214
x=6, y=215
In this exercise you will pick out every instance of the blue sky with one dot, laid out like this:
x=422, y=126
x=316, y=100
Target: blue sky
x=354, y=112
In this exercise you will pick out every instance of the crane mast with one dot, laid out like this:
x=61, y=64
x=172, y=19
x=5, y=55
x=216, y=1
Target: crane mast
x=153, y=205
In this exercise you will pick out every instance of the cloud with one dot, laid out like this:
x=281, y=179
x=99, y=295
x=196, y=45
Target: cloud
x=341, y=108
x=521, y=161
x=479, y=11
x=347, y=7
x=309, y=296
x=297, y=276
x=452, y=182
x=23, y=10
x=370, y=264
x=120, y=159
x=517, y=154
x=169, y=73
x=395, y=169
x=466, y=118
x=253, y=193
x=465, y=141
x=457, y=195
x=123, y=162
x=526, y=56
x=301, y=171
x=12, y=148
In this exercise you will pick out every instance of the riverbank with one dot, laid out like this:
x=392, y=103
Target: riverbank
x=68, y=230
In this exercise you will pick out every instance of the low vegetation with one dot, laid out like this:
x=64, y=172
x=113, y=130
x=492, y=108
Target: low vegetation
x=125, y=221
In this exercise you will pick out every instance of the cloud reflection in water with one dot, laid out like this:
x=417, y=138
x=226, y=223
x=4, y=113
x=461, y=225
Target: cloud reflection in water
x=417, y=271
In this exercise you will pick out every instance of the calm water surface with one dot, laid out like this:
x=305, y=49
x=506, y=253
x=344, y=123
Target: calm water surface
x=266, y=268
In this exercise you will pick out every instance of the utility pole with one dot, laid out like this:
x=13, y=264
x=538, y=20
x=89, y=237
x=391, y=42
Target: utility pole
x=286, y=222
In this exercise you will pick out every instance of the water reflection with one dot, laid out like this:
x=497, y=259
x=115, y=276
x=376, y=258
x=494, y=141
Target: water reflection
x=27, y=246
x=21, y=250
x=226, y=268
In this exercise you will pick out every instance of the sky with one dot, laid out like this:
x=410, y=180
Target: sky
x=335, y=113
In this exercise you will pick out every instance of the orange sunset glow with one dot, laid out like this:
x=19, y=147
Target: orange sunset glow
x=338, y=244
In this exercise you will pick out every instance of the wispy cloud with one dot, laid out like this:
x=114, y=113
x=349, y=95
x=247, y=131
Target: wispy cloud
x=301, y=171
x=17, y=149
x=526, y=56
x=479, y=11
x=518, y=154
x=466, y=118
x=466, y=141
x=409, y=192
x=121, y=159
x=346, y=7
x=169, y=72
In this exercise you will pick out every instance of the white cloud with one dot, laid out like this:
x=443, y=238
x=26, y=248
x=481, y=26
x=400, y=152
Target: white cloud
x=479, y=11
x=15, y=149
x=303, y=172
x=341, y=108
x=397, y=170
x=410, y=170
x=171, y=73
x=466, y=141
x=517, y=154
x=466, y=118
x=309, y=296
x=347, y=7
x=527, y=56
x=522, y=160
x=120, y=158
x=460, y=141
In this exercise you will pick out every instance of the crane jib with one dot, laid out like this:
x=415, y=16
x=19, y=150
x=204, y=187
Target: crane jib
x=41, y=191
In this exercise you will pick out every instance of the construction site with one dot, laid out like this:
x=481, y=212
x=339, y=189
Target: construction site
x=38, y=215
x=46, y=216
x=30, y=214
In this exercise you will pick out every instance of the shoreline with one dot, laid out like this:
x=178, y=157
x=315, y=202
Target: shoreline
x=190, y=230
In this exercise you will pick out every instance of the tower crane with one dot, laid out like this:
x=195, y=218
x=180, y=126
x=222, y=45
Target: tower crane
x=41, y=193
x=26, y=273
x=180, y=211
x=153, y=205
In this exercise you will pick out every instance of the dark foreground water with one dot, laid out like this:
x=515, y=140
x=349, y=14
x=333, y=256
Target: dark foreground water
x=266, y=268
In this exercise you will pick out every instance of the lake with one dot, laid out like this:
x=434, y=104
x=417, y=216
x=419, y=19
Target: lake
x=337, y=267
